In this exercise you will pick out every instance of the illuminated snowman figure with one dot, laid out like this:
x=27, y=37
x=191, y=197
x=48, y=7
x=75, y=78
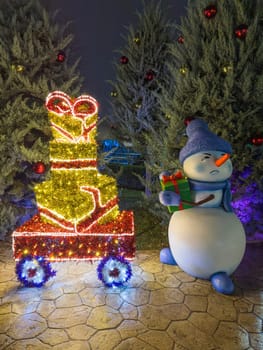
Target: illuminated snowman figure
x=206, y=241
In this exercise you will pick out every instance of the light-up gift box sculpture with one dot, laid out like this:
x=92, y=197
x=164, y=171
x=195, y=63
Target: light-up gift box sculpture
x=79, y=217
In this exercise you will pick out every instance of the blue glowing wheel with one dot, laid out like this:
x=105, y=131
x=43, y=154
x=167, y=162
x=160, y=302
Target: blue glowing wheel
x=34, y=271
x=114, y=271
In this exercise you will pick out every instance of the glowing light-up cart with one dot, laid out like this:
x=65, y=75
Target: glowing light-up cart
x=79, y=217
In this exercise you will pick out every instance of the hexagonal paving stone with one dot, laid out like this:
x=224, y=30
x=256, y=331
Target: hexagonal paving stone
x=73, y=287
x=5, y=308
x=184, y=277
x=254, y=296
x=59, y=318
x=167, y=280
x=204, y=322
x=91, y=279
x=45, y=308
x=136, y=281
x=25, y=308
x=256, y=340
x=157, y=339
x=22, y=295
x=131, y=328
x=166, y=296
x=195, y=288
x=258, y=310
x=6, y=320
x=51, y=293
x=153, y=317
x=221, y=307
x=136, y=296
x=176, y=312
x=152, y=265
x=134, y=343
x=250, y=322
x=186, y=334
x=73, y=345
x=242, y=305
x=68, y=300
x=114, y=300
x=81, y=332
x=53, y=336
x=27, y=326
x=108, y=339
x=93, y=297
x=147, y=276
x=196, y=302
x=231, y=336
x=7, y=289
x=129, y=311
x=151, y=285
x=104, y=317
x=5, y=340
x=29, y=344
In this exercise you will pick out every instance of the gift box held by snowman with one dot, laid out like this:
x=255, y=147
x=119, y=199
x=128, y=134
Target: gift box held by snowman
x=207, y=240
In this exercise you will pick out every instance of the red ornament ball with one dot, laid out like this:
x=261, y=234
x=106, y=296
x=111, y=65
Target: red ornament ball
x=39, y=168
x=180, y=39
x=188, y=120
x=210, y=11
x=149, y=75
x=241, y=31
x=124, y=60
x=257, y=141
x=61, y=56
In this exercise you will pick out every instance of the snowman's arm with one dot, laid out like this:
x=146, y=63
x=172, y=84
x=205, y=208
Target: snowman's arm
x=169, y=198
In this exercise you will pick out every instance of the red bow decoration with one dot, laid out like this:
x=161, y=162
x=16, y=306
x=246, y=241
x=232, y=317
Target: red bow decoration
x=81, y=107
x=176, y=176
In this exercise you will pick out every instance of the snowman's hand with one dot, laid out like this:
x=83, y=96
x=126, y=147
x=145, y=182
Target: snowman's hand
x=169, y=198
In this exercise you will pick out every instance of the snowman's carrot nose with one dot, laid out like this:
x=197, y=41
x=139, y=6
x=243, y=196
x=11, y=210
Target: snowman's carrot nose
x=220, y=161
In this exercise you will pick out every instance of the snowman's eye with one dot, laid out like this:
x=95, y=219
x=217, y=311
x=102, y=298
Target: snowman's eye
x=206, y=156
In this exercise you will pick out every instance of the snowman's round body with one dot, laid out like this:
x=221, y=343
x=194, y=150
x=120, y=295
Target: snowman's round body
x=204, y=241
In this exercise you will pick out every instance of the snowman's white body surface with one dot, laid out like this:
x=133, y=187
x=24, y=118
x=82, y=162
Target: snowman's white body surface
x=206, y=239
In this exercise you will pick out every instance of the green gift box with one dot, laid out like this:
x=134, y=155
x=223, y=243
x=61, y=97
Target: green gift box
x=177, y=183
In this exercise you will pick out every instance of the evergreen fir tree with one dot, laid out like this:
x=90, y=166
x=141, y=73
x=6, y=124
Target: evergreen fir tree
x=33, y=61
x=141, y=74
x=219, y=75
x=218, y=63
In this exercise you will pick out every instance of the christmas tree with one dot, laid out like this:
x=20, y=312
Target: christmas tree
x=141, y=75
x=218, y=72
x=79, y=217
x=33, y=61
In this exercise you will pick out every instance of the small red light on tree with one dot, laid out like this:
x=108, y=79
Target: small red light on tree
x=257, y=141
x=210, y=11
x=241, y=31
x=149, y=75
x=61, y=56
x=180, y=39
x=124, y=60
x=39, y=168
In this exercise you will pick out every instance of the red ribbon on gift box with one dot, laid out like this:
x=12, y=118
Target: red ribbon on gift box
x=174, y=177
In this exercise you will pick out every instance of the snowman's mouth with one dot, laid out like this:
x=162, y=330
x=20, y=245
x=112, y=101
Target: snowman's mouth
x=214, y=172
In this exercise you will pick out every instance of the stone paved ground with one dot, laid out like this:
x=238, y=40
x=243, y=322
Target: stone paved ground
x=161, y=308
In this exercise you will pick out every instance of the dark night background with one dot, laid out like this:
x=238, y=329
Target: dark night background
x=97, y=27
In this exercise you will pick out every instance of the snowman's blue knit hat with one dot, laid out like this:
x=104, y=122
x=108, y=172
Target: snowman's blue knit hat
x=201, y=139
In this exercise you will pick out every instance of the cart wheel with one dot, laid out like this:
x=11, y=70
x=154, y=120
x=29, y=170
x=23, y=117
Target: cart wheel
x=114, y=271
x=34, y=271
